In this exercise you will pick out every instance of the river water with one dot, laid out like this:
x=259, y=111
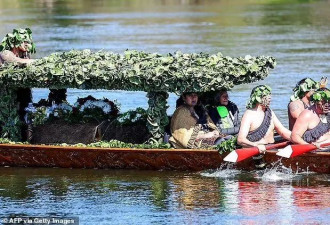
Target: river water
x=295, y=32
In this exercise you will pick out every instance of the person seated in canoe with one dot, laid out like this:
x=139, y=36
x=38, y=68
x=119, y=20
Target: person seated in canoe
x=259, y=121
x=191, y=127
x=225, y=114
x=312, y=125
x=300, y=100
x=17, y=47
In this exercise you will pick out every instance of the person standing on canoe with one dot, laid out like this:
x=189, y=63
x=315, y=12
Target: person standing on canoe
x=191, y=127
x=300, y=100
x=259, y=121
x=16, y=47
x=225, y=114
x=312, y=125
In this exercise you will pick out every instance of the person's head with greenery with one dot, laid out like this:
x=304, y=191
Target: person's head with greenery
x=321, y=95
x=259, y=95
x=304, y=87
x=20, y=39
x=321, y=99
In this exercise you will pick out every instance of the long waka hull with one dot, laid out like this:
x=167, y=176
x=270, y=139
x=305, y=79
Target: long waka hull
x=144, y=159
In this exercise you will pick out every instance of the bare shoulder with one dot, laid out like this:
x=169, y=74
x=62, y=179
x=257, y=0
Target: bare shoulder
x=7, y=53
x=8, y=56
x=248, y=112
x=306, y=114
x=296, y=105
x=248, y=115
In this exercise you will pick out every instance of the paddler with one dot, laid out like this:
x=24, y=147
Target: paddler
x=259, y=121
x=312, y=125
x=300, y=99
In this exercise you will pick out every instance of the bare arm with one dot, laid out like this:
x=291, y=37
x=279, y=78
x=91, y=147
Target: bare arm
x=299, y=129
x=280, y=129
x=9, y=57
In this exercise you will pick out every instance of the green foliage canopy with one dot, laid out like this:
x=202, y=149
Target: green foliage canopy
x=138, y=71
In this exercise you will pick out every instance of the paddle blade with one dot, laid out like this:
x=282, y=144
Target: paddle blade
x=231, y=157
x=285, y=152
x=241, y=154
x=291, y=151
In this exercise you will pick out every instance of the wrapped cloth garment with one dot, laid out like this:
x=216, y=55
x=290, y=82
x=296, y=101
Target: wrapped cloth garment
x=185, y=129
x=317, y=132
x=260, y=132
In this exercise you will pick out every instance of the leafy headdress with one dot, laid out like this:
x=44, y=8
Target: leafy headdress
x=303, y=86
x=257, y=94
x=16, y=38
x=321, y=95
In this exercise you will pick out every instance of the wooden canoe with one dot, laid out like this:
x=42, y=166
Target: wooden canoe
x=144, y=159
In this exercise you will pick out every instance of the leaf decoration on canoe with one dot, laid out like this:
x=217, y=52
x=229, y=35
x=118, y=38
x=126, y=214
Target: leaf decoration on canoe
x=138, y=71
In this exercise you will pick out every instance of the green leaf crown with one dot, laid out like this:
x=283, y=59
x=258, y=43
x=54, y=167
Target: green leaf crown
x=15, y=39
x=303, y=86
x=321, y=95
x=257, y=94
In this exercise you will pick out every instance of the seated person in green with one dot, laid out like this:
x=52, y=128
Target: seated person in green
x=225, y=114
x=259, y=121
x=191, y=127
x=312, y=125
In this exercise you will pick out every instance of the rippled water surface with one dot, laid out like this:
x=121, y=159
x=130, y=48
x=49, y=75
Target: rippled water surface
x=295, y=32
x=144, y=197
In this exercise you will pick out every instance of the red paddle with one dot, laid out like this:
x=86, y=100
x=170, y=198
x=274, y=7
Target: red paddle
x=245, y=153
x=291, y=151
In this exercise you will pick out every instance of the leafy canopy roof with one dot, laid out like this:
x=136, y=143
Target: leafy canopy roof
x=138, y=71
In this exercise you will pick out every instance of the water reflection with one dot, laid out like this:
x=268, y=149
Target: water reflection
x=196, y=192
x=85, y=191
x=160, y=193
x=307, y=199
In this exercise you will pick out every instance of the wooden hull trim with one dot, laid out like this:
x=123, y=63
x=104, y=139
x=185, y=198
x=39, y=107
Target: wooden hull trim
x=143, y=159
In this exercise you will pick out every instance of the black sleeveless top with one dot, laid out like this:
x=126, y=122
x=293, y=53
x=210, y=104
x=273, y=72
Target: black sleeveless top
x=260, y=132
x=317, y=132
